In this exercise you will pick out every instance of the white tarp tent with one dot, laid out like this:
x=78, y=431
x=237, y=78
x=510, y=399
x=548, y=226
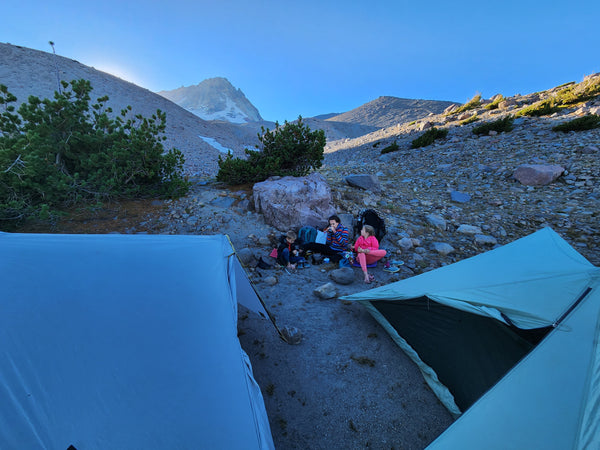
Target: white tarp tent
x=114, y=341
x=551, y=397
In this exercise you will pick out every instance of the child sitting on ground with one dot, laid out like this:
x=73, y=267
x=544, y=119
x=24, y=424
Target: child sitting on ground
x=367, y=250
x=288, y=253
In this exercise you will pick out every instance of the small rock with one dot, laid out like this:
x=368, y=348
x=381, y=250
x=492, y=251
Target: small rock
x=436, y=221
x=468, y=229
x=264, y=241
x=405, y=243
x=343, y=275
x=271, y=280
x=223, y=202
x=291, y=335
x=364, y=181
x=460, y=197
x=442, y=248
x=326, y=291
x=482, y=239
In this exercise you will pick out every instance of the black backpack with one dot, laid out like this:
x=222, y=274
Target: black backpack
x=373, y=218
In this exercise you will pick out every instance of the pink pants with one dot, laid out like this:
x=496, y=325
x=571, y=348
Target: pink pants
x=368, y=258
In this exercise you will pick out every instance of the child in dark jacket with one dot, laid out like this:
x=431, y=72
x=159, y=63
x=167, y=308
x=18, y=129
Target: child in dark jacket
x=288, y=253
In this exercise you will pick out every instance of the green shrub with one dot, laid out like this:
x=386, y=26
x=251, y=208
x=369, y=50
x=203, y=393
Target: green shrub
x=471, y=119
x=429, y=137
x=579, y=93
x=568, y=83
x=581, y=123
x=55, y=153
x=541, y=108
x=499, y=125
x=571, y=95
x=289, y=150
x=475, y=102
x=393, y=147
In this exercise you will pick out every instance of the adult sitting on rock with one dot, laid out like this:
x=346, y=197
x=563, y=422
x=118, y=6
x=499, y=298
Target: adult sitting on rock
x=367, y=250
x=336, y=242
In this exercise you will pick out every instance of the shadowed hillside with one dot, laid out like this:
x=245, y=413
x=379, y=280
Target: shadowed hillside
x=388, y=111
x=31, y=72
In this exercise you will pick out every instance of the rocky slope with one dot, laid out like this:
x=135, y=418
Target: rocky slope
x=464, y=179
x=215, y=99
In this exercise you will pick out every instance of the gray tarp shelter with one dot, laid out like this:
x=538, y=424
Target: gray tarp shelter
x=125, y=342
x=511, y=337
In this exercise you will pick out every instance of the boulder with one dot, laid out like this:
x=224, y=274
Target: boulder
x=246, y=257
x=347, y=220
x=537, y=174
x=293, y=202
x=507, y=103
x=343, y=275
x=425, y=126
x=364, y=181
x=450, y=109
x=466, y=115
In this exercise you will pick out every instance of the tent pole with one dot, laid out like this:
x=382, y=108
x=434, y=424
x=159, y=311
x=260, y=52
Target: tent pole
x=572, y=307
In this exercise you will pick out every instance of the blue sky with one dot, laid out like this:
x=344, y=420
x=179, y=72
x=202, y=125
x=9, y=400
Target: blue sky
x=316, y=57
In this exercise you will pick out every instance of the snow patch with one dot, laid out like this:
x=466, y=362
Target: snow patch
x=232, y=113
x=215, y=144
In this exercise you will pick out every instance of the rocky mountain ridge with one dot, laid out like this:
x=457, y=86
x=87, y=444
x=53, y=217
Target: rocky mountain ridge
x=32, y=72
x=387, y=111
x=215, y=99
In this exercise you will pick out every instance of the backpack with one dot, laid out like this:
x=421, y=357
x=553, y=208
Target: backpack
x=307, y=234
x=370, y=217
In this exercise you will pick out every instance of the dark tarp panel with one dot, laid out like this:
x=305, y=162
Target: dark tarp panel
x=469, y=353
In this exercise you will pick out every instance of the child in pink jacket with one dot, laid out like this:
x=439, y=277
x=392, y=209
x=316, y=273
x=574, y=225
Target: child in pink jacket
x=367, y=250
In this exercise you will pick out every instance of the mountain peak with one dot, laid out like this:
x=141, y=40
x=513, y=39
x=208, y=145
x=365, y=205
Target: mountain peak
x=215, y=99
